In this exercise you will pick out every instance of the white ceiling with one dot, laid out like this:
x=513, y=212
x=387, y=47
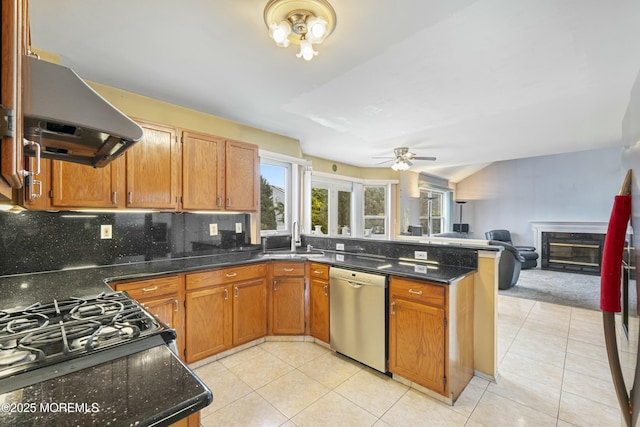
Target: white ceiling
x=470, y=82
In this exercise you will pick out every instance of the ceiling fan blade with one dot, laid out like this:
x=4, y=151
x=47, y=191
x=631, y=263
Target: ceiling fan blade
x=383, y=157
x=386, y=161
x=422, y=158
x=407, y=161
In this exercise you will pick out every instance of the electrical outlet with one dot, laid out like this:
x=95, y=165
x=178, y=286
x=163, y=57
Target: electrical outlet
x=420, y=254
x=420, y=269
x=238, y=227
x=213, y=229
x=339, y=257
x=106, y=232
x=339, y=246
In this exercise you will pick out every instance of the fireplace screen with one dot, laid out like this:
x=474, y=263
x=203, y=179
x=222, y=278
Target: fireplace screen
x=572, y=252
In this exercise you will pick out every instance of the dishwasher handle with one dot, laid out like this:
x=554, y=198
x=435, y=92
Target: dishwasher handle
x=355, y=285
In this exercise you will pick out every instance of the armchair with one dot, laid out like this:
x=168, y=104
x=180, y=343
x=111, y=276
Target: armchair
x=509, y=265
x=527, y=252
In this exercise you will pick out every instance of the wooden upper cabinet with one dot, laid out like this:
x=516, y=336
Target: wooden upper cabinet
x=202, y=171
x=14, y=43
x=242, y=176
x=153, y=169
x=75, y=185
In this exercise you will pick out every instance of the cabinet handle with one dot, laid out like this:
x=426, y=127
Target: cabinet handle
x=326, y=288
x=154, y=288
x=318, y=272
x=226, y=294
x=130, y=197
x=231, y=274
x=26, y=142
x=275, y=282
x=288, y=270
x=393, y=307
x=236, y=292
x=411, y=291
x=219, y=202
x=228, y=202
x=175, y=301
x=115, y=198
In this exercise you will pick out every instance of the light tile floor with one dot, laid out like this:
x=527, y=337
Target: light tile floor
x=552, y=363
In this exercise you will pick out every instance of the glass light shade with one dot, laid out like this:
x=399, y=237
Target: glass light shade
x=400, y=166
x=280, y=33
x=316, y=29
x=306, y=50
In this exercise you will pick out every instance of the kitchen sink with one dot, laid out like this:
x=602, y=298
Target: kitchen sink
x=289, y=254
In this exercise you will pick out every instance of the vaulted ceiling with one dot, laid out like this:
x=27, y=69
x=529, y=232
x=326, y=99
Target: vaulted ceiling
x=470, y=82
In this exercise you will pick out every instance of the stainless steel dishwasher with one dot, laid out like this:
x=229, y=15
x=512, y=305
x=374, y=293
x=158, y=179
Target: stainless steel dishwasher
x=357, y=316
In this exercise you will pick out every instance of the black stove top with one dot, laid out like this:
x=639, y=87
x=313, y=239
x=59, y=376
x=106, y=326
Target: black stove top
x=45, y=335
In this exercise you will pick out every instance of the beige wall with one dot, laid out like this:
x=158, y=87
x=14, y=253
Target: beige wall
x=326, y=166
x=142, y=107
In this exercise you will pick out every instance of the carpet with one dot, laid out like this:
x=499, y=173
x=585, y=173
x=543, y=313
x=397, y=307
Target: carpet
x=575, y=290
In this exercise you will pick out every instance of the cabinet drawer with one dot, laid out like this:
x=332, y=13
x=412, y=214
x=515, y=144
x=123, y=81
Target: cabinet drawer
x=150, y=288
x=225, y=276
x=418, y=291
x=320, y=271
x=287, y=268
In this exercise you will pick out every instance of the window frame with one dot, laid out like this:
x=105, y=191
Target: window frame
x=293, y=197
x=337, y=183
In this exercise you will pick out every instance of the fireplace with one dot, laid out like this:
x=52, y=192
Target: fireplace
x=572, y=252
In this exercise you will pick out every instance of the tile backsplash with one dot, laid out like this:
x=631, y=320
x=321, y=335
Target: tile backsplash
x=33, y=241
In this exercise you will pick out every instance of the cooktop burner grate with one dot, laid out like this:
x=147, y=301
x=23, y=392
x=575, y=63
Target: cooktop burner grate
x=46, y=334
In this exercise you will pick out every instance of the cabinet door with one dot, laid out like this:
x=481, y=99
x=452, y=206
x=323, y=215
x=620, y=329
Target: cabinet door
x=163, y=297
x=208, y=322
x=417, y=343
x=242, y=172
x=249, y=310
x=152, y=169
x=319, y=309
x=202, y=171
x=287, y=316
x=75, y=185
x=167, y=309
x=14, y=43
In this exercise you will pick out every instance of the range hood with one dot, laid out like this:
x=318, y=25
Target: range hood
x=69, y=120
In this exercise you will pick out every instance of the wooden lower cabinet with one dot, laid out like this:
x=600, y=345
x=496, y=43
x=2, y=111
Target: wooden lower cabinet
x=287, y=298
x=431, y=333
x=319, y=300
x=224, y=308
x=164, y=298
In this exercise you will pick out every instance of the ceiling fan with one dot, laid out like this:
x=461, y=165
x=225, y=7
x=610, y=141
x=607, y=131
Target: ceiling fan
x=402, y=159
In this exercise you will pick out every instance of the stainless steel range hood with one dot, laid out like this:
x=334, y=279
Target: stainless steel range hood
x=69, y=120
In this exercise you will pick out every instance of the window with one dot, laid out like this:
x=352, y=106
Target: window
x=431, y=212
x=375, y=208
x=332, y=207
x=275, y=195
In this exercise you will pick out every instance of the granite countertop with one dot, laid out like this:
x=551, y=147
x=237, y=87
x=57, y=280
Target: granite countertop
x=22, y=290
x=147, y=388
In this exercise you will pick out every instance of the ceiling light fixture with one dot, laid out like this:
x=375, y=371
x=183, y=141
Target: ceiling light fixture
x=400, y=165
x=302, y=22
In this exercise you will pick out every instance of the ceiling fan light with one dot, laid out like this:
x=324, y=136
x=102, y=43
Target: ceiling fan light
x=316, y=29
x=280, y=33
x=306, y=50
x=400, y=165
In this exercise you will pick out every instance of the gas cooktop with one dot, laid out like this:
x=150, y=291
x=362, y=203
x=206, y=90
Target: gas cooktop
x=40, y=341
